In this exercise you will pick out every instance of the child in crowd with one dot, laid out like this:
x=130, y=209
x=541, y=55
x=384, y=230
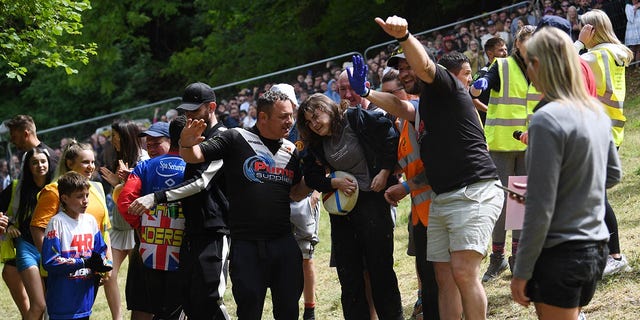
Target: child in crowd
x=73, y=252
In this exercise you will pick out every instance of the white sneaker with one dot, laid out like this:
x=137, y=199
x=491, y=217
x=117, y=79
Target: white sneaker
x=614, y=266
x=581, y=316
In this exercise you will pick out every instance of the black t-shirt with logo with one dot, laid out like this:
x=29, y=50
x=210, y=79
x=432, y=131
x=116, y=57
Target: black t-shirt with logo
x=452, y=143
x=259, y=174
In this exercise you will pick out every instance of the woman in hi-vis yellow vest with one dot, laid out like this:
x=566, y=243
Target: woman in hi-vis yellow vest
x=608, y=58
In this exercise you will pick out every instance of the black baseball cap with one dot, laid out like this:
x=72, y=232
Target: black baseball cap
x=398, y=53
x=196, y=94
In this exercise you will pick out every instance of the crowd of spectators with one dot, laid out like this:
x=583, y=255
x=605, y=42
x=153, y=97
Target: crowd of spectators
x=467, y=37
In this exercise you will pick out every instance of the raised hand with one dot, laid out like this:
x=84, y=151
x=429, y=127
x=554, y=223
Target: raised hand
x=481, y=84
x=109, y=176
x=192, y=133
x=123, y=170
x=586, y=34
x=394, y=26
x=358, y=78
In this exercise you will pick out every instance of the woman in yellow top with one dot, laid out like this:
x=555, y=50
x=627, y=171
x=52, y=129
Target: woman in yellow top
x=608, y=58
x=78, y=157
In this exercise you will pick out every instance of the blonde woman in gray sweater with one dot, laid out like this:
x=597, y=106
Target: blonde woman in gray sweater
x=570, y=160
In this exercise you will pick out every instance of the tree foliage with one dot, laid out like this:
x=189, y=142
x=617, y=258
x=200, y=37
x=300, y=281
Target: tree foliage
x=149, y=50
x=40, y=32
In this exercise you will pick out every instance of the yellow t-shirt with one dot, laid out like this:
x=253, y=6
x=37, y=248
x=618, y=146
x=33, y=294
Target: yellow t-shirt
x=49, y=205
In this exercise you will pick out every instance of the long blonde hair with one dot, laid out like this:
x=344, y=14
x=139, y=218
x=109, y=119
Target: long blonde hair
x=604, y=31
x=71, y=151
x=559, y=76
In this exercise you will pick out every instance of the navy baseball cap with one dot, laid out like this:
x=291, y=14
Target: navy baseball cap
x=196, y=94
x=158, y=129
x=555, y=21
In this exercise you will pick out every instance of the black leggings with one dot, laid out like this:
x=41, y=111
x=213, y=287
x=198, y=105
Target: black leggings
x=612, y=224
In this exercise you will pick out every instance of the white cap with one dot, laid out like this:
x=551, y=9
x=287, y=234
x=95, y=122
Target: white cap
x=288, y=90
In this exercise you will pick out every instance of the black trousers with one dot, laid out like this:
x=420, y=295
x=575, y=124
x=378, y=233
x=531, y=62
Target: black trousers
x=363, y=239
x=203, y=267
x=426, y=273
x=260, y=264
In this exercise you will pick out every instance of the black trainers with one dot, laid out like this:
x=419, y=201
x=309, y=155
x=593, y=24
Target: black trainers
x=309, y=314
x=497, y=264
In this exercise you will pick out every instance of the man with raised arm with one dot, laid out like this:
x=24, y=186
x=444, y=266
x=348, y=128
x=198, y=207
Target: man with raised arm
x=460, y=171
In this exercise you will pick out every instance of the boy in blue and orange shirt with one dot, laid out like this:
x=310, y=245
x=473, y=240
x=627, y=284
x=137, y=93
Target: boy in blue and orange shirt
x=73, y=252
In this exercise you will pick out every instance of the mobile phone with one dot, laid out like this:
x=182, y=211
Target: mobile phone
x=511, y=191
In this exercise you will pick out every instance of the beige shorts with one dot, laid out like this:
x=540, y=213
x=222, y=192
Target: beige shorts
x=463, y=219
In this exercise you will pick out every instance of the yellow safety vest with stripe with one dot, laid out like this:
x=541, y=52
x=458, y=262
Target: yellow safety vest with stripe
x=7, y=247
x=508, y=109
x=411, y=164
x=610, y=87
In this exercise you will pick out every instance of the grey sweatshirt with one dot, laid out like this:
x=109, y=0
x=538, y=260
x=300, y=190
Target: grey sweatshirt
x=570, y=160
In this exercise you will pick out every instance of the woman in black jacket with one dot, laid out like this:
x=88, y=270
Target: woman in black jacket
x=364, y=144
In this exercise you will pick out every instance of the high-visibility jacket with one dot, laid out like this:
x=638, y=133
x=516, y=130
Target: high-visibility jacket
x=610, y=87
x=533, y=98
x=411, y=164
x=7, y=247
x=508, y=109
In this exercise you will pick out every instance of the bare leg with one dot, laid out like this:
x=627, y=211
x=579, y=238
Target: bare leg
x=111, y=290
x=139, y=315
x=466, y=271
x=35, y=289
x=118, y=258
x=309, y=291
x=449, y=301
x=548, y=312
x=14, y=283
x=367, y=291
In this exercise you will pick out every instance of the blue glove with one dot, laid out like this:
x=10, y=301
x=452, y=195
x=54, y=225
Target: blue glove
x=358, y=79
x=481, y=84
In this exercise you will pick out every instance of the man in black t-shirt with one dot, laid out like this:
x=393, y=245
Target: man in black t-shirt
x=457, y=163
x=260, y=164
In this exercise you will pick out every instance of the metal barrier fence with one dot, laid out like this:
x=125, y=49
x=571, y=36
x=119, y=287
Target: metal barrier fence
x=446, y=26
x=82, y=130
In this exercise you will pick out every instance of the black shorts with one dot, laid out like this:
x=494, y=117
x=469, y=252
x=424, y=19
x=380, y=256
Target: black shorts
x=566, y=275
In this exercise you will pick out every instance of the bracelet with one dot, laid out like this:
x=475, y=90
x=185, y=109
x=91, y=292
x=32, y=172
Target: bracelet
x=406, y=186
x=366, y=93
x=404, y=38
